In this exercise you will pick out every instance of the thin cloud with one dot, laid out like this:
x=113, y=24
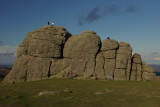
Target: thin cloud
x=7, y=59
x=111, y=9
x=131, y=9
x=91, y=16
x=151, y=58
x=102, y=11
x=7, y=54
x=94, y=14
x=155, y=53
x=157, y=59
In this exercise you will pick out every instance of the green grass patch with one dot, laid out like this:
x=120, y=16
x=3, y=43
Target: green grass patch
x=80, y=93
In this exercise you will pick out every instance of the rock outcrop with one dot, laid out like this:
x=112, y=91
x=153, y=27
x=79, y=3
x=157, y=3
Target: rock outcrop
x=106, y=60
x=148, y=72
x=37, y=52
x=123, y=61
x=79, y=56
x=52, y=52
x=136, y=73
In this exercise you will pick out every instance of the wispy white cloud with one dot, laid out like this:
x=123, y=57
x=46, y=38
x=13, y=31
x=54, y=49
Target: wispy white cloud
x=157, y=59
x=151, y=58
x=7, y=54
x=102, y=11
x=8, y=49
x=155, y=53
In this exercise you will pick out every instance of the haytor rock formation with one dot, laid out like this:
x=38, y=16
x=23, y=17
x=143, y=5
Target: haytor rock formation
x=52, y=52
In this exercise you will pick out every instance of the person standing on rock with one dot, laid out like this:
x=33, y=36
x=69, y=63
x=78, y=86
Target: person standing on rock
x=48, y=22
x=108, y=38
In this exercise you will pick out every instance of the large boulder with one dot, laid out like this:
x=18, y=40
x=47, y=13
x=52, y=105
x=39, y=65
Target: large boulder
x=109, y=44
x=36, y=54
x=82, y=50
x=46, y=42
x=84, y=46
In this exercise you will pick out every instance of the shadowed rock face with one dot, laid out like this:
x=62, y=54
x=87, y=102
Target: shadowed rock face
x=51, y=52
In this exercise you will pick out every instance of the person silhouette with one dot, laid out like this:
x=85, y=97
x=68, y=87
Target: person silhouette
x=108, y=38
x=48, y=22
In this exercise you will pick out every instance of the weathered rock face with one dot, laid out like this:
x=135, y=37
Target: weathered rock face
x=123, y=61
x=106, y=59
x=148, y=72
x=51, y=52
x=36, y=53
x=136, y=73
x=81, y=51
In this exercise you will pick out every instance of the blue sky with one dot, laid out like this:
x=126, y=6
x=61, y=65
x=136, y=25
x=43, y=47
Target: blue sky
x=133, y=21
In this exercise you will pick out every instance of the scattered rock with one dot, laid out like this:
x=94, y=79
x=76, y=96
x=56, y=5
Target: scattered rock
x=68, y=91
x=99, y=93
x=48, y=93
x=108, y=90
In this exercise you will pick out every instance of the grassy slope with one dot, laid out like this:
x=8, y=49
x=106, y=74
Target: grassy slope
x=115, y=94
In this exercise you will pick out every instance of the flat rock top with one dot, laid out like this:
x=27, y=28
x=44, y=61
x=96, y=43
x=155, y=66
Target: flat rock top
x=89, y=32
x=124, y=44
x=136, y=55
x=49, y=30
x=109, y=44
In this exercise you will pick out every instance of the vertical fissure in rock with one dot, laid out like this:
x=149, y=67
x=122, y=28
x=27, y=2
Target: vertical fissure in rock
x=49, y=69
x=25, y=78
x=131, y=68
x=61, y=51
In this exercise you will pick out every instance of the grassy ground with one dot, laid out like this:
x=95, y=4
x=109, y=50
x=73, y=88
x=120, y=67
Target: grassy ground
x=80, y=93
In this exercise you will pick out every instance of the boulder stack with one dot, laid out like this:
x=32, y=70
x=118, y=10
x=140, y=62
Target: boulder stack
x=123, y=61
x=79, y=56
x=106, y=60
x=136, y=73
x=52, y=52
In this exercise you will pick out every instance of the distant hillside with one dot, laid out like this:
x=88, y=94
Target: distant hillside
x=6, y=66
x=4, y=70
x=157, y=67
